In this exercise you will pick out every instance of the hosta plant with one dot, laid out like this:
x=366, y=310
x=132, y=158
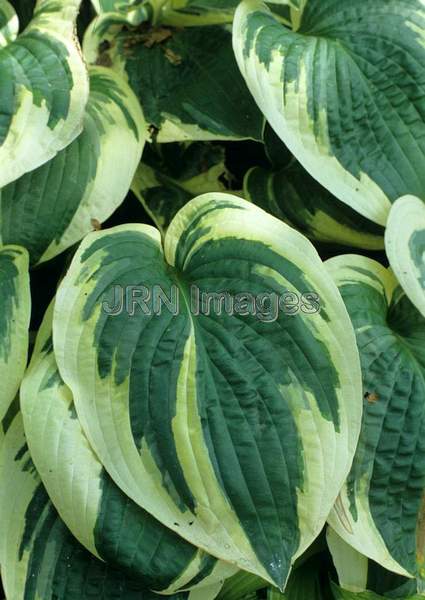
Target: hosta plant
x=212, y=299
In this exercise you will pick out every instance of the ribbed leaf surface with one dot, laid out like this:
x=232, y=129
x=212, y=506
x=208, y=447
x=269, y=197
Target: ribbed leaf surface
x=97, y=512
x=345, y=90
x=43, y=90
x=39, y=556
x=235, y=430
x=54, y=206
x=380, y=510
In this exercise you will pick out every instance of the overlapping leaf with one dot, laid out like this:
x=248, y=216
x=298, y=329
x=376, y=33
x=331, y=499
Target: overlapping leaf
x=15, y=310
x=174, y=174
x=405, y=246
x=292, y=195
x=187, y=80
x=54, y=206
x=43, y=91
x=380, y=509
x=39, y=556
x=235, y=430
x=345, y=91
x=358, y=574
x=96, y=511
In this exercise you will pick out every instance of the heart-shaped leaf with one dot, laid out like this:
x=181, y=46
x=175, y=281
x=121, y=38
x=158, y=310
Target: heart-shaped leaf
x=234, y=425
x=345, y=91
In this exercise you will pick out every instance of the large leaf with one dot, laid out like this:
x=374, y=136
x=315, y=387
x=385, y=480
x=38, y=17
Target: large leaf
x=292, y=195
x=55, y=205
x=9, y=23
x=40, y=559
x=173, y=174
x=187, y=80
x=345, y=91
x=234, y=428
x=405, y=246
x=380, y=510
x=43, y=91
x=15, y=311
x=97, y=512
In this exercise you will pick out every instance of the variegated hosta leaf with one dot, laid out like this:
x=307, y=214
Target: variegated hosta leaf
x=345, y=91
x=97, y=512
x=40, y=559
x=15, y=311
x=43, y=92
x=9, y=23
x=234, y=428
x=55, y=205
x=380, y=509
x=174, y=174
x=405, y=246
x=308, y=582
x=292, y=195
x=187, y=80
x=356, y=573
